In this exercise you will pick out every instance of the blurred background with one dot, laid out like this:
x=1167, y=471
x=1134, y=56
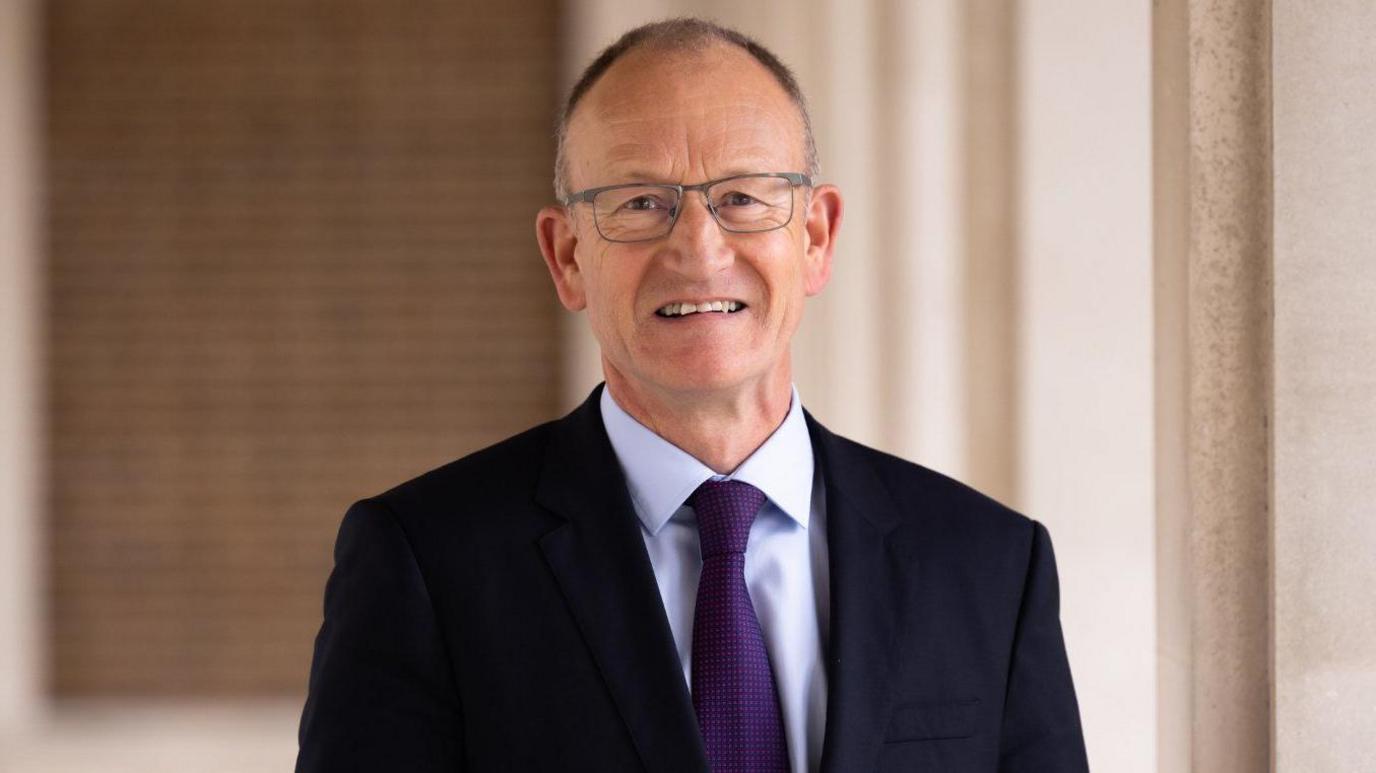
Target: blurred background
x=1110, y=262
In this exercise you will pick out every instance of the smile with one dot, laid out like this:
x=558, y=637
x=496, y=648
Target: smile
x=684, y=309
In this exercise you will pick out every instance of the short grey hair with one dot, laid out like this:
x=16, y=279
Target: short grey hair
x=680, y=34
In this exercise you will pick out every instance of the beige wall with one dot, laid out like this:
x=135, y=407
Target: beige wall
x=1085, y=452
x=1324, y=437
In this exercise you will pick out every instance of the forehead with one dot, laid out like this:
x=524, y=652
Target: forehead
x=677, y=115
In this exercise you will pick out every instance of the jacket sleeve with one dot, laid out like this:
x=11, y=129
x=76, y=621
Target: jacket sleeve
x=382, y=695
x=1041, y=720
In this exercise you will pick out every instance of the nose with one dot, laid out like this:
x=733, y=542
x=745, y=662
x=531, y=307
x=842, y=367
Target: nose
x=697, y=246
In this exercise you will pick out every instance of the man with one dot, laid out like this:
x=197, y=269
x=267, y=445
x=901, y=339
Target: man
x=688, y=572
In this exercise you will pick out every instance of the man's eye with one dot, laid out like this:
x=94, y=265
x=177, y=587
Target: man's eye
x=736, y=199
x=643, y=204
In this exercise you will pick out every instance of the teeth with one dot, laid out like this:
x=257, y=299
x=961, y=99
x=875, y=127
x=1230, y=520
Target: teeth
x=681, y=309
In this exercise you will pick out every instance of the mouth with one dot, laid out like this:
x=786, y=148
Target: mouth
x=719, y=306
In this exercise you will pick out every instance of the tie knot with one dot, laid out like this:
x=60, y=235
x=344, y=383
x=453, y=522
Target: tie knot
x=725, y=511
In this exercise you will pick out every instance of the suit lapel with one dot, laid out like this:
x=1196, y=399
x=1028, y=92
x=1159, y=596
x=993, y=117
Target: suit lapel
x=867, y=587
x=598, y=558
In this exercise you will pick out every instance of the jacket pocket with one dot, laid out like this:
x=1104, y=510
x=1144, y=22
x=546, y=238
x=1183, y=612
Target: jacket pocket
x=933, y=720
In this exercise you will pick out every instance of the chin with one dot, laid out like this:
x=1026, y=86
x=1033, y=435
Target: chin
x=703, y=374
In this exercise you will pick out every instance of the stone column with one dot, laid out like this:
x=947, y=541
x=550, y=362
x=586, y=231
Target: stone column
x=1265, y=534
x=1228, y=303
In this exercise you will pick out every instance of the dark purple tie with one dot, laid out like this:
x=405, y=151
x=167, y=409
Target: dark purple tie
x=733, y=687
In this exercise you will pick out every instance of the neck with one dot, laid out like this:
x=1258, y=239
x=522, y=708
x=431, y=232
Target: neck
x=721, y=430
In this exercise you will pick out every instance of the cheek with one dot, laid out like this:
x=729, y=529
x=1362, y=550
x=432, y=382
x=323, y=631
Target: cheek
x=611, y=289
x=790, y=291
x=788, y=280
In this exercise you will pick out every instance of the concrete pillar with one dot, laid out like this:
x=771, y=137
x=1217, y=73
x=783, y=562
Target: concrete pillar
x=1266, y=540
x=1229, y=308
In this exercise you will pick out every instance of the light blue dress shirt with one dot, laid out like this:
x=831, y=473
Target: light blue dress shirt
x=786, y=568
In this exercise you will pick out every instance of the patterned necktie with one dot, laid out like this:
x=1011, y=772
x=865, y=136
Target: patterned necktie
x=733, y=688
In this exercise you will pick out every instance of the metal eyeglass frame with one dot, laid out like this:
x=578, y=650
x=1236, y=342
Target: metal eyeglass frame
x=794, y=178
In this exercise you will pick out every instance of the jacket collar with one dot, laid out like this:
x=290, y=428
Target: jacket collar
x=598, y=558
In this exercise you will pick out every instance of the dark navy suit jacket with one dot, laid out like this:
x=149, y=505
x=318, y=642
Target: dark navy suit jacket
x=500, y=614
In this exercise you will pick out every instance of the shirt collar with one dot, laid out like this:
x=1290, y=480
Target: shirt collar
x=661, y=476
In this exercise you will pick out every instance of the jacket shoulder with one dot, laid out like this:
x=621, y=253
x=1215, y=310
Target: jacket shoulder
x=494, y=477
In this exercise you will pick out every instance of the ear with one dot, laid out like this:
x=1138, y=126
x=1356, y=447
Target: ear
x=824, y=208
x=554, y=230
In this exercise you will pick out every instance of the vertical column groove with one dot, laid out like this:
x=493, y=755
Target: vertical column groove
x=991, y=223
x=1171, y=249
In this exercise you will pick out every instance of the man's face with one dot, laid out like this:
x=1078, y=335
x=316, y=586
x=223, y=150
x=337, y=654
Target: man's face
x=686, y=118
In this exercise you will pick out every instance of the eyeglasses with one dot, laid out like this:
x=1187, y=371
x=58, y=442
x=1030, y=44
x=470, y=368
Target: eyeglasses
x=747, y=203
